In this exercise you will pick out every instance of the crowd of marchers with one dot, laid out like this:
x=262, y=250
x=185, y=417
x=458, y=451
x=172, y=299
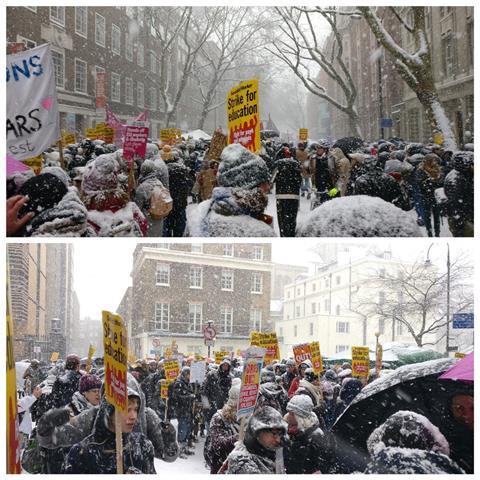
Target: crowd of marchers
x=92, y=191
x=67, y=424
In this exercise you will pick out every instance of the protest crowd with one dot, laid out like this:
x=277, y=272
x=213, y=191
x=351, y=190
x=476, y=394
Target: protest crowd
x=294, y=423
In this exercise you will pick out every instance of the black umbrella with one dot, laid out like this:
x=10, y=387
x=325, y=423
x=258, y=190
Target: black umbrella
x=348, y=144
x=411, y=387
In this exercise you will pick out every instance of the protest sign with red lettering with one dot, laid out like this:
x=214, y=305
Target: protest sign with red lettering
x=302, y=352
x=135, y=142
x=250, y=381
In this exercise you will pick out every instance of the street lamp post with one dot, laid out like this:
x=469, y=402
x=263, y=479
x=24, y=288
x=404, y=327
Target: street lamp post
x=427, y=263
x=377, y=366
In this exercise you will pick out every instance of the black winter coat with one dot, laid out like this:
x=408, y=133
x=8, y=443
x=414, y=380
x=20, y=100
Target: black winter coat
x=180, y=184
x=428, y=185
x=216, y=386
x=375, y=183
x=64, y=387
x=459, y=191
x=223, y=435
x=288, y=177
x=97, y=454
x=182, y=398
x=323, y=179
x=306, y=452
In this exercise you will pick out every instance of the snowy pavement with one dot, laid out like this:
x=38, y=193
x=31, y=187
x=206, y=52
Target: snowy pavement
x=305, y=209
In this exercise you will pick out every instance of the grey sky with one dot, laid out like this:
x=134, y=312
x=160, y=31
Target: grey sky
x=102, y=268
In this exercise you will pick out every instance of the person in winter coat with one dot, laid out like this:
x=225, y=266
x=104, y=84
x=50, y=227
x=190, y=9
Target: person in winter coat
x=110, y=213
x=341, y=169
x=182, y=402
x=97, y=452
x=237, y=206
x=224, y=429
x=88, y=394
x=265, y=435
x=351, y=387
x=66, y=385
x=215, y=389
x=34, y=374
x=303, y=159
x=57, y=431
x=153, y=173
x=180, y=188
x=408, y=442
x=429, y=178
x=287, y=179
x=310, y=386
x=289, y=374
x=321, y=173
x=270, y=392
x=459, y=191
x=207, y=179
x=301, y=374
x=306, y=451
x=151, y=388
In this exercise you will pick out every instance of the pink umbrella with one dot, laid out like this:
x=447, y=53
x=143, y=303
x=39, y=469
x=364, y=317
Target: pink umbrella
x=462, y=370
x=14, y=166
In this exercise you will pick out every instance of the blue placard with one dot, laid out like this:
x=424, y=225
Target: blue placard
x=386, y=123
x=462, y=320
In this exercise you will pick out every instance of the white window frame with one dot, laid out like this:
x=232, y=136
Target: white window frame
x=226, y=319
x=152, y=98
x=115, y=81
x=338, y=279
x=26, y=42
x=62, y=53
x=57, y=20
x=97, y=70
x=256, y=283
x=196, y=277
x=342, y=327
x=160, y=308
x=228, y=250
x=341, y=348
x=32, y=9
x=140, y=98
x=295, y=331
x=194, y=319
x=224, y=280
x=257, y=253
x=297, y=311
x=78, y=61
x=140, y=55
x=314, y=308
x=81, y=33
x=311, y=329
x=256, y=319
x=98, y=40
x=337, y=310
x=162, y=269
x=128, y=48
x=152, y=61
x=129, y=92
x=116, y=28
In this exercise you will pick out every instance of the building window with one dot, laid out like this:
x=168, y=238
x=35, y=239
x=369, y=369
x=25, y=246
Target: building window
x=59, y=67
x=81, y=21
x=314, y=287
x=311, y=329
x=195, y=317
x=140, y=55
x=288, y=293
x=297, y=311
x=341, y=348
x=129, y=91
x=327, y=283
x=414, y=124
x=314, y=308
x=256, y=319
x=381, y=298
x=257, y=283
x=152, y=61
x=116, y=39
x=228, y=249
x=57, y=15
x=128, y=48
x=258, y=253
x=337, y=310
x=381, y=325
x=227, y=280
x=162, y=274
x=140, y=95
x=295, y=330
x=327, y=305
x=343, y=327
x=28, y=43
x=337, y=279
x=153, y=99
x=298, y=292
x=80, y=76
x=196, y=277
x=99, y=30
x=448, y=55
x=115, y=87
x=226, y=318
x=162, y=316
x=97, y=70
x=196, y=248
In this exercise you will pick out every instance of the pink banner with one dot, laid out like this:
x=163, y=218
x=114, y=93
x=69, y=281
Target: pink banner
x=135, y=142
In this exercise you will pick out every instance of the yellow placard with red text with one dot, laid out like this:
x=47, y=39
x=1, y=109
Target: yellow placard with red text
x=268, y=341
x=303, y=134
x=360, y=362
x=317, y=362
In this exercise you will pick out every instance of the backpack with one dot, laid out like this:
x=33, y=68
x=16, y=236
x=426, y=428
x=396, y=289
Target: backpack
x=161, y=202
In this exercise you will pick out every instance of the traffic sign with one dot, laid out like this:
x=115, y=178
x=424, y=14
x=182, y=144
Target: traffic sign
x=452, y=348
x=462, y=320
x=386, y=123
x=209, y=332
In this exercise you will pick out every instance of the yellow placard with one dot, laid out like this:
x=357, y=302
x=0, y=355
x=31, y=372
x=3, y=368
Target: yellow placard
x=115, y=344
x=54, y=356
x=269, y=341
x=91, y=133
x=35, y=163
x=172, y=370
x=303, y=134
x=131, y=357
x=168, y=353
x=317, y=362
x=164, y=388
x=459, y=355
x=243, y=115
x=219, y=356
x=91, y=351
x=67, y=138
x=170, y=135
x=438, y=139
x=108, y=135
x=360, y=361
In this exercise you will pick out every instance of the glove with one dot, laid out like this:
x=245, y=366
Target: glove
x=55, y=417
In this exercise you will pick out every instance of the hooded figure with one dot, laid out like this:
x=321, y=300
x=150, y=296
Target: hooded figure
x=272, y=394
x=409, y=443
x=65, y=386
x=224, y=430
x=97, y=452
x=265, y=435
x=351, y=387
x=56, y=434
x=237, y=206
x=306, y=452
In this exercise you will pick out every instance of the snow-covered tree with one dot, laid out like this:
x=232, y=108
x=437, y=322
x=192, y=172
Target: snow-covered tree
x=415, y=67
x=303, y=50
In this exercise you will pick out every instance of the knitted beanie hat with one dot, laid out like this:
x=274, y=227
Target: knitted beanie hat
x=89, y=382
x=300, y=405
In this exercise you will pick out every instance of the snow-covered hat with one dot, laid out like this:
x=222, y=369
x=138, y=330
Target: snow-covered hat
x=234, y=392
x=101, y=174
x=300, y=405
x=266, y=418
x=241, y=168
x=59, y=172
